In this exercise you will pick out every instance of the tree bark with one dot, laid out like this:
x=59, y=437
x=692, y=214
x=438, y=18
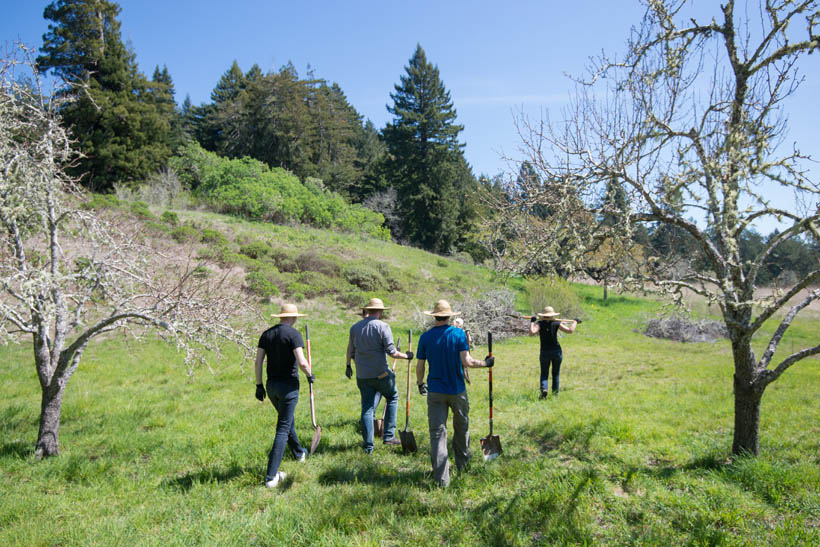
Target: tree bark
x=48, y=435
x=747, y=419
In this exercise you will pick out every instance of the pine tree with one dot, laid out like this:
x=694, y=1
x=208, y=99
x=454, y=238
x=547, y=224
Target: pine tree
x=426, y=166
x=116, y=120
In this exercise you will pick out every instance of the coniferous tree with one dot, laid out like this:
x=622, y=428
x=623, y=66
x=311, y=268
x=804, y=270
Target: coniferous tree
x=426, y=162
x=115, y=120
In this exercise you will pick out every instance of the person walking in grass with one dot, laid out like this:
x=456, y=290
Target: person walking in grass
x=445, y=347
x=283, y=346
x=546, y=324
x=369, y=343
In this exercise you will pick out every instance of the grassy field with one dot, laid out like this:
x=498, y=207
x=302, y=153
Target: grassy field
x=634, y=451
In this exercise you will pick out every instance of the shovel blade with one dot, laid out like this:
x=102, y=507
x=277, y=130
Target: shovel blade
x=378, y=427
x=408, y=441
x=316, y=436
x=491, y=447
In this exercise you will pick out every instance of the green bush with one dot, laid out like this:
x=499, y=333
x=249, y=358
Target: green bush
x=201, y=271
x=367, y=278
x=262, y=283
x=255, y=249
x=140, y=208
x=556, y=292
x=313, y=284
x=216, y=237
x=170, y=217
x=158, y=227
x=310, y=261
x=184, y=233
x=102, y=201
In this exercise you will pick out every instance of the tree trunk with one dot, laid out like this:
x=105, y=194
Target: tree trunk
x=606, y=290
x=48, y=435
x=747, y=419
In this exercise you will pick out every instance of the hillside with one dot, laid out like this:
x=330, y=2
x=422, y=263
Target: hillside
x=636, y=450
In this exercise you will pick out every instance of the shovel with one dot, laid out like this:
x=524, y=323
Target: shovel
x=491, y=444
x=378, y=424
x=318, y=430
x=408, y=441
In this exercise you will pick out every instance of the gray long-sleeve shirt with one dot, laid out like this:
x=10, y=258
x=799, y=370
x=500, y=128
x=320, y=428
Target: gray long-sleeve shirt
x=371, y=341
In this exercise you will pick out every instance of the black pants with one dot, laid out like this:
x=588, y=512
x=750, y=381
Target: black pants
x=552, y=357
x=284, y=397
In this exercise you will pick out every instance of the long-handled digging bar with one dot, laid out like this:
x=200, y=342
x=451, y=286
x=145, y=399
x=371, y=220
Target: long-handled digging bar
x=378, y=424
x=317, y=434
x=491, y=444
x=408, y=440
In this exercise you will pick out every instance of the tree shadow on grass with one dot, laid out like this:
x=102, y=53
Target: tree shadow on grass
x=371, y=473
x=213, y=474
x=17, y=449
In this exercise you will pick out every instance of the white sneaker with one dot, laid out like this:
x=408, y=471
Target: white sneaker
x=302, y=458
x=280, y=476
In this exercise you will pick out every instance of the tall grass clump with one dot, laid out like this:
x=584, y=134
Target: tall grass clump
x=553, y=291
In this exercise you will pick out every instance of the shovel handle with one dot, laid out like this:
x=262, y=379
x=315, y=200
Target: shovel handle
x=409, y=364
x=310, y=384
x=490, y=351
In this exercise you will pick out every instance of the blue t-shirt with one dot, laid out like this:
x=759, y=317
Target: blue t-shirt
x=441, y=348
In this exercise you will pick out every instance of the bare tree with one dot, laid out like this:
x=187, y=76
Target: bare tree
x=69, y=275
x=691, y=121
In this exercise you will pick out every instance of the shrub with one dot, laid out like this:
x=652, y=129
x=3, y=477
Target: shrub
x=216, y=237
x=310, y=261
x=261, y=282
x=682, y=329
x=255, y=249
x=170, y=217
x=556, y=292
x=315, y=284
x=158, y=227
x=102, y=201
x=365, y=277
x=283, y=260
x=201, y=271
x=140, y=208
x=441, y=263
x=184, y=233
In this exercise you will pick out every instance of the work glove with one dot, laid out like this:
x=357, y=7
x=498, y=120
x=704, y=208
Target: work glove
x=410, y=355
x=489, y=361
x=579, y=321
x=311, y=378
x=422, y=389
x=260, y=392
x=533, y=319
x=349, y=372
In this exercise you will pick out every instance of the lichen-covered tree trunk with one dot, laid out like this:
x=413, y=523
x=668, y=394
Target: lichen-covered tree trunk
x=747, y=419
x=50, y=409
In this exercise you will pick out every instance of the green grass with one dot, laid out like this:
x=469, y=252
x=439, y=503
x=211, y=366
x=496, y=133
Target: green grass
x=634, y=451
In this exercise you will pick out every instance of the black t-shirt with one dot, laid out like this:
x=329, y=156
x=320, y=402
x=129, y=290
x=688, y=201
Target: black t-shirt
x=549, y=335
x=279, y=342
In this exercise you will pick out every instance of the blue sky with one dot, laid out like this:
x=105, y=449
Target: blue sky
x=496, y=58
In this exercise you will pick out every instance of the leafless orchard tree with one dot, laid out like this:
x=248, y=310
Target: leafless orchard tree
x=69, y=275
x=691, y=122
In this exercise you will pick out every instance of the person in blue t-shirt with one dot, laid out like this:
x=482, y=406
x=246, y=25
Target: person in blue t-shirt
x=446, y=349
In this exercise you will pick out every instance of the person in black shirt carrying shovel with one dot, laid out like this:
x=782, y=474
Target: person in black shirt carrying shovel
x=445, y=348
x=283, y=346
x=546, y=324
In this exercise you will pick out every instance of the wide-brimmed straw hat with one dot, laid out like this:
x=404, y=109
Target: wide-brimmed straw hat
x=375, y=304
x=442, y=309
x=288, y=310
x=548, y=313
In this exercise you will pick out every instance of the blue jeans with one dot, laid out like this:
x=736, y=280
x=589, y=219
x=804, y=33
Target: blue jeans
x=284, y=396
x=554, y=358
x=370, y=388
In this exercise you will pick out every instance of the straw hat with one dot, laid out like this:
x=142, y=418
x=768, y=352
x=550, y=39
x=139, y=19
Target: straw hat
x=288, y=310
x=548, y=313
x=375, y=304
x=442, y=309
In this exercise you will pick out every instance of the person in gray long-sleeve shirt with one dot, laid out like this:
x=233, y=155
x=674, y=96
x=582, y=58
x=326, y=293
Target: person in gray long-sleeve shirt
x=369, y=344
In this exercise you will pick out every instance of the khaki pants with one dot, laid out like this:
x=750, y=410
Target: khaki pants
x=438, y=406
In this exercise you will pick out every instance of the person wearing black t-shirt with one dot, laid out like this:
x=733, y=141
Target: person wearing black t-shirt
x=546, y=324
x=282, y=345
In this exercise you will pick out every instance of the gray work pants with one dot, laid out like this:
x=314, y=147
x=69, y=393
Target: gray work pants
x=438, y=406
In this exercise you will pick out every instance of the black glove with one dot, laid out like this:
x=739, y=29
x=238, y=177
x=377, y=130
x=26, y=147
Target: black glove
x=260, y=392
x=410, y=355
x=579, y=321
x=422, y=389
x=489, y=361
x=533, y=319
x=349, y=372
x=311, y=378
